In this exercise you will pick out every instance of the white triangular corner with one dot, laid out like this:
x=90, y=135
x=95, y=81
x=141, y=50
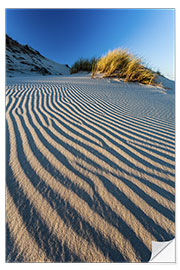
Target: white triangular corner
x=163, y=251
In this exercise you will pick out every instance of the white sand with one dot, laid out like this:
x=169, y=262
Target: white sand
x=90, y=169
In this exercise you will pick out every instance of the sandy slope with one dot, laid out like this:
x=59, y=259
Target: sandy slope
x=22, y=60
x=90, y=169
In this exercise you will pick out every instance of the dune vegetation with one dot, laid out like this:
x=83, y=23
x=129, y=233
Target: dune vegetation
x=122, y=64
x=83, y=65
x=117, y=63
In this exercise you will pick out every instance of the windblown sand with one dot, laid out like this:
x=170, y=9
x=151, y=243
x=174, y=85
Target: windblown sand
x=90, y=169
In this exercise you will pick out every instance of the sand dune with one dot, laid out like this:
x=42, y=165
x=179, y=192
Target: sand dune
x=90, y=169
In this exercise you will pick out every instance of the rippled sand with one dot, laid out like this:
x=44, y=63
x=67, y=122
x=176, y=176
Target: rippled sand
x=90, y=169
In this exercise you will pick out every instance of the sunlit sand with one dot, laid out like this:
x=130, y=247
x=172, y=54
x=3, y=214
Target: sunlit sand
x=90, y=169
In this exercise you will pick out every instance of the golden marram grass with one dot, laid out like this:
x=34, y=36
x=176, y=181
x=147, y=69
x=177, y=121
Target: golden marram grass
x=120, y=63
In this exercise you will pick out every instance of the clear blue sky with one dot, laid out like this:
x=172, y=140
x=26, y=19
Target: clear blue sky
x=65, y=35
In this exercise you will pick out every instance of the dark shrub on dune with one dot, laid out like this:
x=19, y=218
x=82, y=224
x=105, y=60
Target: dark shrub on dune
x=83, y=65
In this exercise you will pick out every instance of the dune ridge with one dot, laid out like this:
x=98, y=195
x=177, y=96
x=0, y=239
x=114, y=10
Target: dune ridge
x=90, y=169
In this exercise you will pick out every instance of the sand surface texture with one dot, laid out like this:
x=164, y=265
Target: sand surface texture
x=90, y=169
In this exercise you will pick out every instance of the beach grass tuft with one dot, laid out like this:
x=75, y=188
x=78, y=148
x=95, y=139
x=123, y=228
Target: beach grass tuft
x=122, y=64
x=83, y=65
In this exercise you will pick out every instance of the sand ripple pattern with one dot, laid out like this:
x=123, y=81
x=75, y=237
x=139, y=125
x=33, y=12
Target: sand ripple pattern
x=90, y=170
